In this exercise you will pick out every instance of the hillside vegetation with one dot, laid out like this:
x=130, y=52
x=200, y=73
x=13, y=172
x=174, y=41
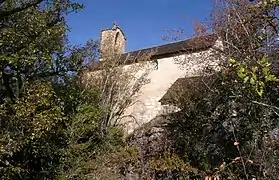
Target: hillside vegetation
x=52, y=126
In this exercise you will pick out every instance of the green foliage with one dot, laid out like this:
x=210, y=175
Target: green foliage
x=166, y=162
x=116, y=164
x=205, y=134
x=33, y=39
x=49, y=122
x=28, y=132
x=256, y=76
x=51, y=126
x=49, y=134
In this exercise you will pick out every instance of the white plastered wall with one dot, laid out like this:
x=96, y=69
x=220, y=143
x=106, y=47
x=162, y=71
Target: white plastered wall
x=146, y=105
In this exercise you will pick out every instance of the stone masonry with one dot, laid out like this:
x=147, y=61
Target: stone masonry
x=170, y=67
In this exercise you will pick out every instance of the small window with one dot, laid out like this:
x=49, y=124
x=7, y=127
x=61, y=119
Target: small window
x=116, y=38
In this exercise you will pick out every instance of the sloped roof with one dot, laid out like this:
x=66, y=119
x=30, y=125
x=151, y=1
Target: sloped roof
x=188, y=45
x=192, y=45
x=190, y=85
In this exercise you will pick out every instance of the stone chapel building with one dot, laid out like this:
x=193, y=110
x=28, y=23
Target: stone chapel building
x=176, y=62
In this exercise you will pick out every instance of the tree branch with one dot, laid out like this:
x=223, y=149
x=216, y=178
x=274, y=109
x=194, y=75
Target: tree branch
x=4, y=14
x=267, y=105
x=2, y=1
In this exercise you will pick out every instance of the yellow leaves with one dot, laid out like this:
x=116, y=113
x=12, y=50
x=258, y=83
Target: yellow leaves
x=270, y=2
x=255, y=69
x=241, y=72
x=232, y=61
x=257, y=75
x=271, y=77
x=246, y=79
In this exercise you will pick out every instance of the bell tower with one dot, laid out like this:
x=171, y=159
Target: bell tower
x=113, y=41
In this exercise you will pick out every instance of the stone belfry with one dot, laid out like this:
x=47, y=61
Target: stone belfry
x=113, y=41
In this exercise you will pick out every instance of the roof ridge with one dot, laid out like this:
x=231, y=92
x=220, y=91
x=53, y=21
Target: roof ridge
x=171, y=43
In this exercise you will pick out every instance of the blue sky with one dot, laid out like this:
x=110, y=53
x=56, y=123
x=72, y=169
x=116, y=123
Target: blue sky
x=144, y=22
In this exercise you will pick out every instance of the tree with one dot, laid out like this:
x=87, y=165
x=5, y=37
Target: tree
x=28, y=133
x=36, y=65
x=228, y=122
x=119, y=79
x=31, y=33
x=52, y=125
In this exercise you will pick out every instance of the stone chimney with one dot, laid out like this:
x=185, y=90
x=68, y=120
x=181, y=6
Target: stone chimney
x=113, y=41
